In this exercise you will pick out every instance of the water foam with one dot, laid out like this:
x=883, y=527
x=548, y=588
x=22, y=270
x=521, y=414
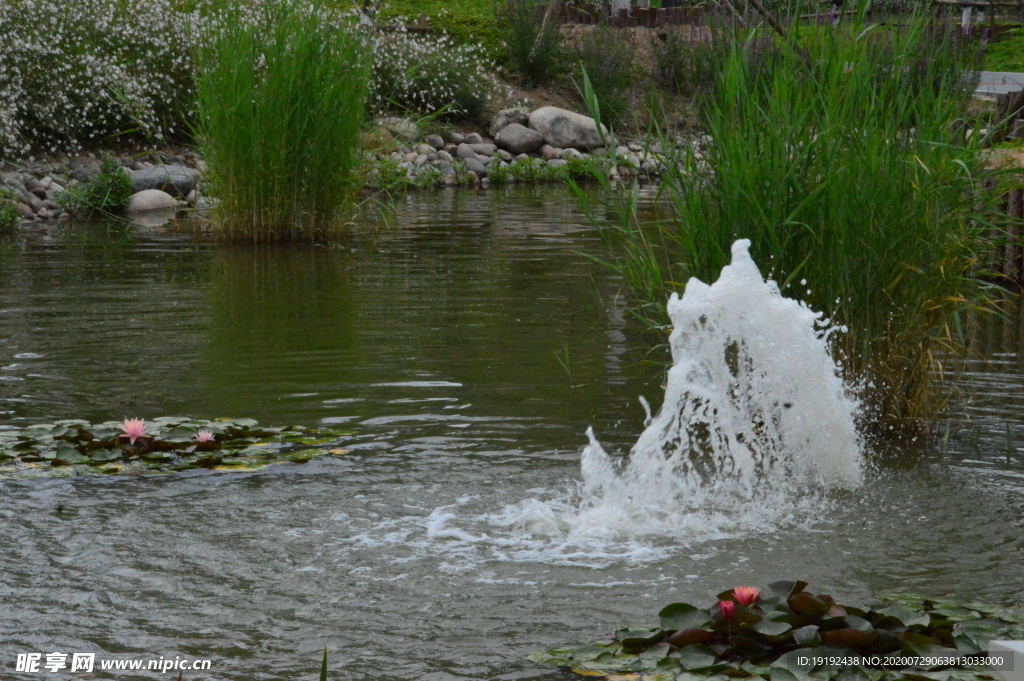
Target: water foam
x=756, y=420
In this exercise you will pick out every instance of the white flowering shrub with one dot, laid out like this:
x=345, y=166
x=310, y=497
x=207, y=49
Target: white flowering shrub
x=78, y=73
x=425, y=74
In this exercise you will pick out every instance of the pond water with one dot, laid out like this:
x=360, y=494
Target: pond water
x=468, y=344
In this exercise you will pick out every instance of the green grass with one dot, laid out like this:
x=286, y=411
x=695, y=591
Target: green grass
x=844, y=171
x=466, y=21
x=279, y=110
x=1007, y=54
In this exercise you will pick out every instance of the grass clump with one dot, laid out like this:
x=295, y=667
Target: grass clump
x=106, y=194
x=531, y=33
x=9, y=216
x=843, y=167
x=280, y=99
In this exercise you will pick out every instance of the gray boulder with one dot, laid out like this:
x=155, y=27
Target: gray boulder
x=465, y=151
x=507, y=117
x=474, y=138
x=402, y=128
x=557, y=163
x=549, y=152
x=173, y=179
x=564, y=128
x=475, y=166
x=518, y=139
x=483, y=149
x=85, y=169
x=150, y=199
x=435, y=141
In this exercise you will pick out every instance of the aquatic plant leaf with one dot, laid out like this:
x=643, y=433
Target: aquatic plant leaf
x=805, y=604
x=687, y=637
x=678, y=616
x=908, y=617
x=807, y=636
x=849, y=638
x=774, y=629
x=106, y=455
x=697, y=661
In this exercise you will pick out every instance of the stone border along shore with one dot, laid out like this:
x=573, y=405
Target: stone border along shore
x=548, y=136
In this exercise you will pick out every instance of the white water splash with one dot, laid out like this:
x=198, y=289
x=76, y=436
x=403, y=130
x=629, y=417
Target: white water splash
x=755, y=415
x=755, y=429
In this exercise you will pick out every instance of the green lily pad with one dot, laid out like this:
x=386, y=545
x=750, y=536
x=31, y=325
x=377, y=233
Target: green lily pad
x=683, y=616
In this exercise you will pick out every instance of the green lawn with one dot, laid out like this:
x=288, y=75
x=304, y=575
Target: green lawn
x=467, y=21
x=1007, y=54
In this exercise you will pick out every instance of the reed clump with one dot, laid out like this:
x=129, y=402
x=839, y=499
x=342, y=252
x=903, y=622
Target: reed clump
x=844, y=164
x=281, y=89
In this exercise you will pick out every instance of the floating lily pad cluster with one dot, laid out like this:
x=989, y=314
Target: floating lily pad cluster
x=777, y=636
x=168, y=444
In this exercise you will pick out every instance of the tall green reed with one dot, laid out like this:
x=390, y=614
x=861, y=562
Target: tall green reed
x=281, y=88
x=846, y=173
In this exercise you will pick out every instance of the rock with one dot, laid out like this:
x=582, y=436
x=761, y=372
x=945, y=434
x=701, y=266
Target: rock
x=410, y=156
x=548, y=152
x=421, y=160
x=465, y=151
x=474, y=138
x=557, y=162
x=523, y=157
x=475, y=166
x=483, y=149
x=85, y=169
x=423, y=149
x=624, y=171
x=621, y=151
x=633, y=146
x=503, y=155
x=174, y=159
x=633, y=160
x=36, y=187
x=485, y=183
x=571, y=153
x=173, y=179
x=444, y=156
x=445, y=168
x=23, y=210
x=519, y=139
x=151, y=199
x=456, y=137
x=402, y=128
x=472, y=177
x=563, y=128
x=192, y=197
x=484, y=160
x=449, y=179
x=435, y=141
x=507, y=117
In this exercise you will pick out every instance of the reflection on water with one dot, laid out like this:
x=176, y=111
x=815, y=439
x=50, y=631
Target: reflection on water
x=467, y=345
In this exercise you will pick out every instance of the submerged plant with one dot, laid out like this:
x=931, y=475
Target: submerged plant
x=280, y=102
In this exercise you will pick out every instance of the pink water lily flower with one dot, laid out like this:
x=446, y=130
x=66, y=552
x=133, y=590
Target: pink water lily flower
x=134, y=429
x=204, y=435
x=728, y=609
x=746, y=595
